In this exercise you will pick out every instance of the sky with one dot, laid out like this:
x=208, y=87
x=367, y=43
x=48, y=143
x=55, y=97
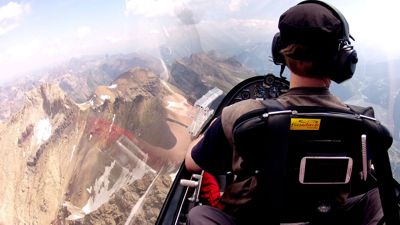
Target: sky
x=36, y=33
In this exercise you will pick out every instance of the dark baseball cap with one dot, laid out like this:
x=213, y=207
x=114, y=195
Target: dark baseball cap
x=310, y=24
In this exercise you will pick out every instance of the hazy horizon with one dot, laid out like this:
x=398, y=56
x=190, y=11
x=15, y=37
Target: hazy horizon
x=36, y=34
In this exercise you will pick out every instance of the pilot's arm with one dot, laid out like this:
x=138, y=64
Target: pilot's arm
x=190, y=164
x=211, y=152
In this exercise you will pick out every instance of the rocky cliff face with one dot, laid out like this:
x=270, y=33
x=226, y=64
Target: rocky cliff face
x=108, y=159
x=200, y=72
x=35, y=142
x=104, y=161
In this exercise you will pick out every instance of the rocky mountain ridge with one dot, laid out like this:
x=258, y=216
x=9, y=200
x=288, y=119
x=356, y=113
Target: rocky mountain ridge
x=60, y=150
x=200, y=72
x=78, y=78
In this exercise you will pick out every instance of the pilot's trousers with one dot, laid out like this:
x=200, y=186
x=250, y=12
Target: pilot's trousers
x=208, y=215
x=363, y=209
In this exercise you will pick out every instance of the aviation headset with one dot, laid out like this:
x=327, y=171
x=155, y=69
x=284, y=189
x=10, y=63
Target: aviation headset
x=344, y=60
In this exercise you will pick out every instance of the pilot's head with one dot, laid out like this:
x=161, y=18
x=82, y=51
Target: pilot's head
x=314, y=41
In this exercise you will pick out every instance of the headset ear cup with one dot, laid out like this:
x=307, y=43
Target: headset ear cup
x=276, y=48
x=345, y=64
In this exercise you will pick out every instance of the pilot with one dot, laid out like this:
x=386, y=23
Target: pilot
x=310, y=35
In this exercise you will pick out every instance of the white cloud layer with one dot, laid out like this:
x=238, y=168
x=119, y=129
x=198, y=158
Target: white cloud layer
x=83, y=32
x=151, y=8
x=257, y=24
x=235, y=5
x=10, y=16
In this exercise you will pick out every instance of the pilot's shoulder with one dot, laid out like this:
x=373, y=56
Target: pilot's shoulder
x=366, y=111
x=231, y=113
x=242, y=107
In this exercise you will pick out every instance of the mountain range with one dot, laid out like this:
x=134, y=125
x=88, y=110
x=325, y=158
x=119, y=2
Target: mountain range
x=108, y=158
x=97, y=140
x=78, y=78
x=60, y=150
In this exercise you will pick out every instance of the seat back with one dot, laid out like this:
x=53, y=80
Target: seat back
x=305, y=157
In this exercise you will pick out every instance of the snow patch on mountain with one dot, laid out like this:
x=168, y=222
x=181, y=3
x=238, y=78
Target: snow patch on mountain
x=43, y=131
x=101, y=193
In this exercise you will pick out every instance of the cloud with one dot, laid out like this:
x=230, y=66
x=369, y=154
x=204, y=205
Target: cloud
x=23, y=51
x=10, y=16
x=56, y=48
x=32, y=52
x=370, y=29
x=186, y=16
x=5, y=28
x=235, y=5
x=151, y=8
x=255, y=24
x=83, y=32
x=239, y=31
x=114, y=39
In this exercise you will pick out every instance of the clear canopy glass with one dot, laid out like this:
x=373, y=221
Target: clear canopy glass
x=100, y=99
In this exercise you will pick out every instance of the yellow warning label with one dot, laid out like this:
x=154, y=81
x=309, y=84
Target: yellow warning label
x=304, y=124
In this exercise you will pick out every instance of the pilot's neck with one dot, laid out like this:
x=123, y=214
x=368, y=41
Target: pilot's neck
x=297, y=81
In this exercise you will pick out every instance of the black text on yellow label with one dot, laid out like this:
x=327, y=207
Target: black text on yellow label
x=304, y=124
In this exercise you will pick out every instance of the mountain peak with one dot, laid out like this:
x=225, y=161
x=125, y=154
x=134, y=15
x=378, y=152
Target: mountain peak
x=50, y=97
x=197, y=74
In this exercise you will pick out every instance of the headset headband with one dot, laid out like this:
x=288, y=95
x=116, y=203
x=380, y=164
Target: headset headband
x=345, y=26
x=343, y=63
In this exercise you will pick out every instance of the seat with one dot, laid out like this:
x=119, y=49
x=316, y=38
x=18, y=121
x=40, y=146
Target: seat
x=305, y=156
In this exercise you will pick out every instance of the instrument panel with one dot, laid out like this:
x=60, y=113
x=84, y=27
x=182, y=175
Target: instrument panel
x=259, y=87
